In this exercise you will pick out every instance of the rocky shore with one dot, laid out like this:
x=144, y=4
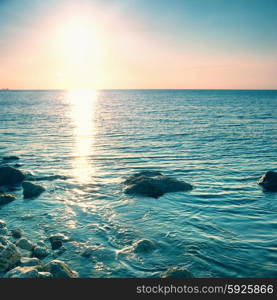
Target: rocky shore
x=21, y=258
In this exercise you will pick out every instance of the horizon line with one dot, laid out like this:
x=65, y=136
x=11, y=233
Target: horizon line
x=136, y=89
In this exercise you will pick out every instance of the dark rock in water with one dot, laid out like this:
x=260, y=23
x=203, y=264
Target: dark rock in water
x=269, y=181
x=88, y=251
x=10, y=175
x=16, y=233
x=59, y=251
x=9, y=255
x=3, y=229
x=133, y=179
x=6, y=198
x=32, y=190
x=154, y=184
x=44, y=178
x=177, y=272
x=17, y=165
x=58, y=236
x=57, y=240
x=12, y=157
x=60, y=270
x=144, y=246
x=56, y=244
x=25, y=244
x=2, y=224
x=40, y=252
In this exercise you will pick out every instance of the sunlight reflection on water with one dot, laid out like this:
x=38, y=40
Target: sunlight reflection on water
x=82, y=113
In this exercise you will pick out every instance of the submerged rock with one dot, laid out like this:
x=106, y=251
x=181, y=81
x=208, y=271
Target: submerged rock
x=6, y=198
x=2, y=224
x=25, y=244
x=144, y=246
x=25, y=253
x=60, y=270
x=16, y=233
x=59, y=252
x=40, y=252
x=177, y=272
x=11, y=157
x=133, y=179
x=57, y=240
x=88, y=251
x=4, y=231
x=3, y=228
x=29, y=262
x=9, y=255
x=32, y=190
x=10, y=175
x=154, y=184
x=269, y=181
x=17, y=165
x=32, y=177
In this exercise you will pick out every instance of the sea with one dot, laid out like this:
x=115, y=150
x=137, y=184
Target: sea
x=220, y=141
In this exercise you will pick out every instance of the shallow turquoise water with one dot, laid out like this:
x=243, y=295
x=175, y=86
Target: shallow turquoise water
x=219, y=141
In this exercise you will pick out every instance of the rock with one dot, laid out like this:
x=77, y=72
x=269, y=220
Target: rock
x=32, y=190
x=23, y=243
x=144, y=246
x=44, y=275
x=3, y=228
x=133, y=179
x=269, y=181
x=154, y=184
x=16, y=233
x=40, y=252
x=9, y=255
x=88, y=251
x=177, y=272
x=6, y=198
x=29, y=262
x=56, y=244
x=59, y=252
x=17, y=165
x=10, y=175
x=4, y=231
x=2, y=224
x=49, y=177
x=41, y=244
x=25, y=253
x=57, y=240
x=4, y=240
x=23, y=272
x=58, y=237
x=11, y=157
x=60, y=270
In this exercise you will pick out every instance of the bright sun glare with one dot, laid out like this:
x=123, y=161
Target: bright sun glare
x=79, y=47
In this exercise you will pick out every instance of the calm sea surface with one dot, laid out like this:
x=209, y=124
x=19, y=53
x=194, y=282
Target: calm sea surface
x=219, y=141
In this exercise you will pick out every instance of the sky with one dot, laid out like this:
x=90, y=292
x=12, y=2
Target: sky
x=138, y=44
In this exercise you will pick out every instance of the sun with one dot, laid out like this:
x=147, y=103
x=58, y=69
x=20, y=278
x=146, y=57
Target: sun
x=79, y=50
